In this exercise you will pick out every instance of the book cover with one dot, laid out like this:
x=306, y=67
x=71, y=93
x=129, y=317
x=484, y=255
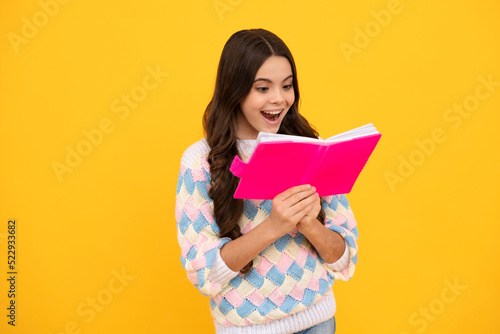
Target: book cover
x=283, y=161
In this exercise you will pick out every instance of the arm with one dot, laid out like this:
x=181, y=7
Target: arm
x=336, y=240
x=197, y=232
x=286, y=211
x=239, y=252
x=329, y=244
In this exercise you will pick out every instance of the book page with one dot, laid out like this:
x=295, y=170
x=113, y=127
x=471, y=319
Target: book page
x=361, y=131
x=275, y=137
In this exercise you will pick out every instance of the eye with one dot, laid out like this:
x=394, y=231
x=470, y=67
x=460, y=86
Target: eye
x=262, y=89
x=287, y=87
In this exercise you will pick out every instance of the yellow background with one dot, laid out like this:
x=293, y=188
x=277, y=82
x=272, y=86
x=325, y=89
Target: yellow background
x=113, y=214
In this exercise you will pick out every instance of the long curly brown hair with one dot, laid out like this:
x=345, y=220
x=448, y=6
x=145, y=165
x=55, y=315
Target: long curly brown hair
x=241, y=58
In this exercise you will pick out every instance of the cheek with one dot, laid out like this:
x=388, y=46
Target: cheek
x=246, y=105
x=259, y=101
x=290, y=97
x=253, y=101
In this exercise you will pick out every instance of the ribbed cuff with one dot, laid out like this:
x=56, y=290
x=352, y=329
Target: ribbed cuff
x=220, y=273
x=341, y=263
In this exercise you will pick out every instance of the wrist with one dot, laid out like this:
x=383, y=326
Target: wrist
x=269, y=231
x=238, y=252
x=311, y=228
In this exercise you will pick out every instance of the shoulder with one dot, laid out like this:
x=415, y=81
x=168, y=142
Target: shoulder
x=196, y=155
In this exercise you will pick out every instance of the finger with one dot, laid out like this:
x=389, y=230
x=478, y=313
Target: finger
x=318, y=199
x=314, y=202
x=300, y=196
x=304, y=212
x=310, y=212
x=302, y=205
x=297, y=193
x=292, y=191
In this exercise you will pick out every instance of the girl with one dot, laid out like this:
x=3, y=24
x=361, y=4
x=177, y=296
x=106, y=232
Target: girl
x=268, y=266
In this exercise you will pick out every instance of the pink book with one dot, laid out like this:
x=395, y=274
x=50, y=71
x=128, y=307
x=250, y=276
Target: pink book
x=283, y=161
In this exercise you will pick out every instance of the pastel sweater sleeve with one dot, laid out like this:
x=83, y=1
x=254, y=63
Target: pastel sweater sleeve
x=339, y=218
x=197, y=232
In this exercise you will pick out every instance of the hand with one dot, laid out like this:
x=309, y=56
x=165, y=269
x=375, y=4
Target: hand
x=290, y=207
x=306, y=223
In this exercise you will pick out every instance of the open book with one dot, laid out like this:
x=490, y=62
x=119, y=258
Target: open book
x=281, y=161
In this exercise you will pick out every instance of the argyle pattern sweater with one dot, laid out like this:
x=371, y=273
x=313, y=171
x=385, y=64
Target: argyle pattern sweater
x=289, y=287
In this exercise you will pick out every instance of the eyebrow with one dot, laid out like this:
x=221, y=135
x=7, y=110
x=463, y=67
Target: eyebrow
x=267, y=80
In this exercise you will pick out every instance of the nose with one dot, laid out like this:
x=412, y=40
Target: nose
x=277, y=98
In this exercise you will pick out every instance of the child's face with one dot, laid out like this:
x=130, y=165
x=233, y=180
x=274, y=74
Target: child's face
x=272, y=91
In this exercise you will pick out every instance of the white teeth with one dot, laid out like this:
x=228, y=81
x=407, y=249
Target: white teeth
x=272, y=112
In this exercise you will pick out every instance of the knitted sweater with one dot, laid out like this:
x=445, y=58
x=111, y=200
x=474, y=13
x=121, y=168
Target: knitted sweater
x=289, y=287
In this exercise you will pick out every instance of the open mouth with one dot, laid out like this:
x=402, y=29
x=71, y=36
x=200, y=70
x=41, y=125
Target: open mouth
x=271, y=115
